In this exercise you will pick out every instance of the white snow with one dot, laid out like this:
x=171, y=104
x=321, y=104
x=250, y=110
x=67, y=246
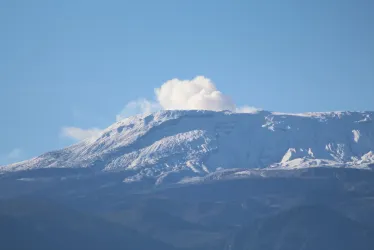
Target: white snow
x=200, y=142
x=356, y=135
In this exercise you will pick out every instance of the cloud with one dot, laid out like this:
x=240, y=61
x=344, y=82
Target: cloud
x=248, y=110
x=79, y=134
x=139, y=106
x=14, y=154
x=200, y=93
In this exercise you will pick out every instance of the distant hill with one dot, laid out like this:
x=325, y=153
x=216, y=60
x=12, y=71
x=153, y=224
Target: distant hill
x=34, y=224
x=307, y=228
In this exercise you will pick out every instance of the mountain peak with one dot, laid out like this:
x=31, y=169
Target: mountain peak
x=199, y=142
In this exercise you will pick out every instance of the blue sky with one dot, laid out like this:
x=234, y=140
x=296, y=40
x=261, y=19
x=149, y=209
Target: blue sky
x=78, y=63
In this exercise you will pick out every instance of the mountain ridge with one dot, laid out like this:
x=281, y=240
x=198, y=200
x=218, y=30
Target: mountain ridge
x=199, y=142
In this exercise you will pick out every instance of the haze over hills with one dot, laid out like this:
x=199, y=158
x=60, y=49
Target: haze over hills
x=175, y=146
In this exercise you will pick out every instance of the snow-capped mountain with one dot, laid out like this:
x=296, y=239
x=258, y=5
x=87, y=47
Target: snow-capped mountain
x=198, y=143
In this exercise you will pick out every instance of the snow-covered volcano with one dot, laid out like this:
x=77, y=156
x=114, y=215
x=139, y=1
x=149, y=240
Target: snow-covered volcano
x=198, y=143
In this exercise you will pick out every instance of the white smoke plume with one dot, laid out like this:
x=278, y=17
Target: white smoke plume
x=139, y=106
x=199, y=93
x=79, y=134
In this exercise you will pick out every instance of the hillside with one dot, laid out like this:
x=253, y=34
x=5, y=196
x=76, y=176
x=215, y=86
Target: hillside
x=168, y=146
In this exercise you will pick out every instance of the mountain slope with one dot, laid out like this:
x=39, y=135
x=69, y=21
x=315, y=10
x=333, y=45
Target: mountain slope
x=38, y=224
x=305, y=227
x=169, y=145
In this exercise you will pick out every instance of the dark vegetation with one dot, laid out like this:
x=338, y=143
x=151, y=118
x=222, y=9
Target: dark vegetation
x=323, y=209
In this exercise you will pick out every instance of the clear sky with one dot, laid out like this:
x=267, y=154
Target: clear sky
x=77, y=63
